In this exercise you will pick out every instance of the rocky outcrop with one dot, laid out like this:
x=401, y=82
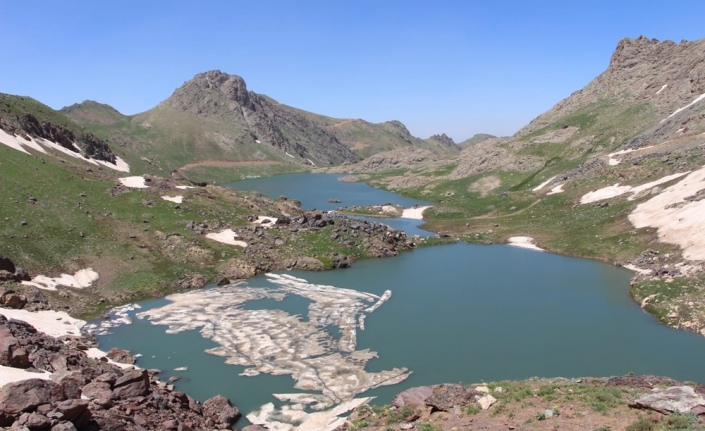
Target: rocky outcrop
x=85, y=393
x=19, y=122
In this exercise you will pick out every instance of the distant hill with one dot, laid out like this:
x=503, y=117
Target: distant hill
x=476, y=139
x=214, y=117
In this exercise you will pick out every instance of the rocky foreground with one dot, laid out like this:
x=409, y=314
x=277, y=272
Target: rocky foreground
x=73, y=391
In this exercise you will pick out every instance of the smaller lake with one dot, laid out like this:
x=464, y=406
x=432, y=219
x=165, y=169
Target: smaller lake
x=314, y=190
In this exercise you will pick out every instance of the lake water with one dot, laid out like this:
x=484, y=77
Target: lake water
x=458, y=313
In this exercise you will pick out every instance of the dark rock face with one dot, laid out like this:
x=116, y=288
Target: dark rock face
x=6, y=265
x=89, y=394
x=446, y=396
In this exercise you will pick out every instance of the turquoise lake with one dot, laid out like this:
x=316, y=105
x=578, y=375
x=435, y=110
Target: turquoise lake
x=458, y=313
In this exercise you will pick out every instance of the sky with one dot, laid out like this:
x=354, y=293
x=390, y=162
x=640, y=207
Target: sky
x=455, y=67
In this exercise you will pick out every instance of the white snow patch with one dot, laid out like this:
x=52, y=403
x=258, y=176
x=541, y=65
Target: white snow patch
x=19, y=143
x=185, y=187
x=615, y=162
x=96, y=353
x=543, y=184
x=257, y=140
x=50, y=322
x=523, y=242
x=662, y=88
x=637, y=269
x=120, y=164
x=414, y=213
x=270, y=221
x=176, y=199
x=697, y=99
x=81, y=279
x=11, y=375
x=678, y=221
x=133, y=182
x=226, y=236
x=288, y=154
x=556, y=190
x=617, y=190
x=181, y=369
x=311, y=162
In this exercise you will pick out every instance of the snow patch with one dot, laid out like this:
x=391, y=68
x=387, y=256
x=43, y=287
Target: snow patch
x=414, y=213
x=617, y=190
x=81, y=279
x=523, y=242
x=133, y=182
x=185, y=187
x=556, y=190
x=226, y=236
x=50, y=322
x=12, y=375
x=543, y=184
x=176, y=199
x=662, y=88
x=697, y=99
x=19, y=143
x=679, y=221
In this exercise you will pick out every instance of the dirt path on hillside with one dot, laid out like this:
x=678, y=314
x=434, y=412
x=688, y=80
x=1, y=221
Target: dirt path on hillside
x=228, y=163
x=490, y=216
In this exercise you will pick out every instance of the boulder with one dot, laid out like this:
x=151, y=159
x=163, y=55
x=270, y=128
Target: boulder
x=6, y=264
x=8, y=343
x=447, y=396
x=413, y=396
x=64, y=426
x=14, y=300
x=120, y=355
x=487, y=401
x=674, y=399
x=97, y=390
x=132, y=384
x=27, y=395
x=221, y=410
x=72, y=410
x=37, y=421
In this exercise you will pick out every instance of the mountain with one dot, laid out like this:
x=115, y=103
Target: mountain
x=214, y=117
x=476, y=139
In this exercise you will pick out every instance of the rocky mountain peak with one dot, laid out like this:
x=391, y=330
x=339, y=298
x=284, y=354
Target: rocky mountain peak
x=665, y=74
x=208, y=91
x=443, y=139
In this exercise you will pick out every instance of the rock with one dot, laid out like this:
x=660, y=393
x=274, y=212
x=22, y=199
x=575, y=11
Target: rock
x=97, y=390
x=67, y=426
x=20, y=358
x=486, y=401
x=223, y=282
x=7, y=344
x=132, y=384
x=413, y=396
x=120, y=355
x=37, y=421
x=675, y=399
x=170, y=425
x=6, y=264
x=254, y=428
x=14, y=300
x=72, y=409
x=27, y=395
x=221, y=410
x=548, y=413
x=447, y=396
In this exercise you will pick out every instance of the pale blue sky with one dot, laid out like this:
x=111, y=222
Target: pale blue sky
x=459, y=67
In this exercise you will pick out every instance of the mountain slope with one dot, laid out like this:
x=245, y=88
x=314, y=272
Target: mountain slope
x=214, y=117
